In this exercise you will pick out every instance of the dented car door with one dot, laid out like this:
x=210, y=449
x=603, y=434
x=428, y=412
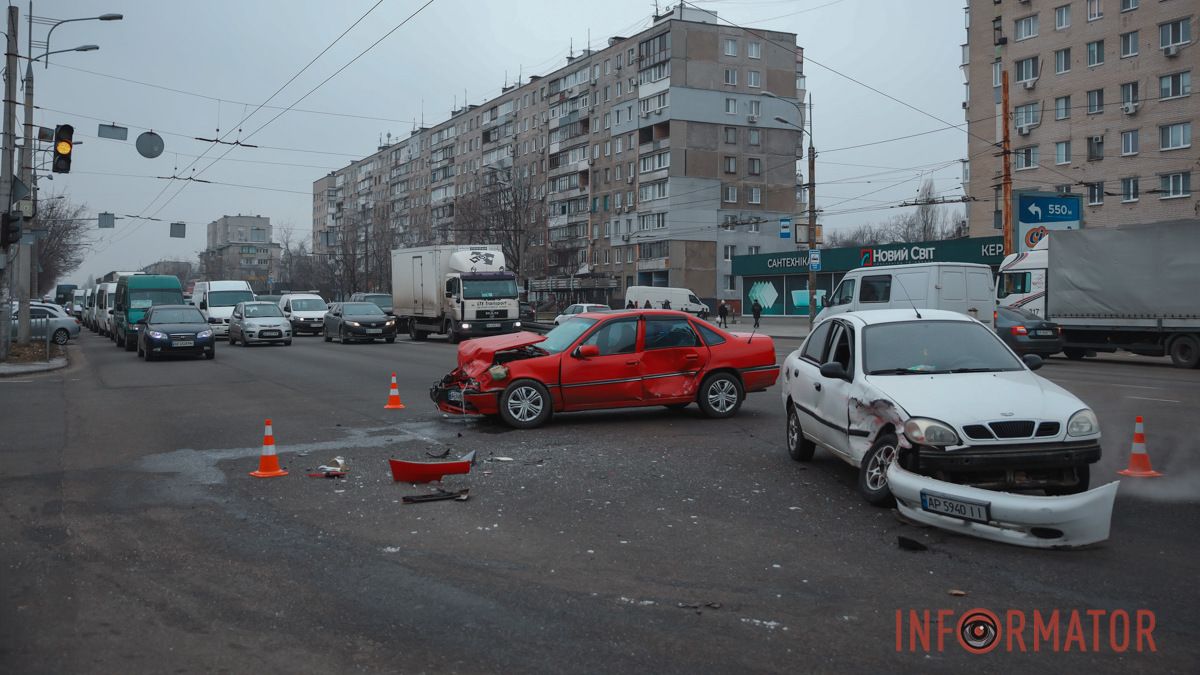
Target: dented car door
x=831, y=400
x=672, y=360
x=613, y=378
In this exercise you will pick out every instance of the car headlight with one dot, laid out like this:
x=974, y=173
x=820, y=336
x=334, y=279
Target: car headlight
x=156, y=335
x=391, y=322
x=923, y=431
x=1083, y=423
x=516, y=324
x=204, y=334
x=355, y=324
x=466, y=326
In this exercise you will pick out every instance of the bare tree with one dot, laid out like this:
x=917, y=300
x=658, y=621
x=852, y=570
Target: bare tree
x=506, y=209
x=930, y=221
x=61, y=251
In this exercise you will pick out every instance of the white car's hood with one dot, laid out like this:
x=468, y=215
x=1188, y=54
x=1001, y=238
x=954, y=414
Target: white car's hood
x=220, y=312
x=269, y=322
x=308, y=314
x=969, y=398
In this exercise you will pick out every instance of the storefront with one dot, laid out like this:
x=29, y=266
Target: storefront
x=779, y=281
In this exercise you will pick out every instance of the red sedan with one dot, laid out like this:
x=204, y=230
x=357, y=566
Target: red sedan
x=608, y=360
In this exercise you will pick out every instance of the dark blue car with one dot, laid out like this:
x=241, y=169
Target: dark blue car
x=175, y=329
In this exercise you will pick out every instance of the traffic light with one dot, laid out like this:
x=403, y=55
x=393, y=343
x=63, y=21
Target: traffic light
x=10, y=230
x=63, y=144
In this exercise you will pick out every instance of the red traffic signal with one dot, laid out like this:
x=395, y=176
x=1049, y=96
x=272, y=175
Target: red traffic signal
x=63, y=144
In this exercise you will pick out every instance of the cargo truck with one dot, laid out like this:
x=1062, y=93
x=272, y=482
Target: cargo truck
x=1129, y=288
x=459, y=291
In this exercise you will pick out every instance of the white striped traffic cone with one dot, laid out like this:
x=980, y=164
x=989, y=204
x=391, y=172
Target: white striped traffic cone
x=268, y=461
x=1139, y=460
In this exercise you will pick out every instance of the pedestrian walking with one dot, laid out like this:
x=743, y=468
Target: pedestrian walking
x=723, y=315
x=756, y=309
x=666, y=304
x=631, y=305
x=647, y=305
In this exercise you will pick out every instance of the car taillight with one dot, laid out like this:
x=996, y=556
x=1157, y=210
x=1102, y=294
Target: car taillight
x=1060, y=331
x=1018, y=330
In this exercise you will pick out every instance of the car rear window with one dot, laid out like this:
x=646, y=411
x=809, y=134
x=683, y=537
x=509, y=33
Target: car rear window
x=814, y=348
x=711, y=336
x=670, y=333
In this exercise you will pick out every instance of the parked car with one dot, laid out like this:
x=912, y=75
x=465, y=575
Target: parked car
x=939, y=395
x=175, y=329
x=258, y=321
x=350, y=321
x=136, y=294
x=305, y=311
x=383, y=300
x=608, y=360
x=61, y=325
x=578, y=308
x=1027, y=333
x=527, y=312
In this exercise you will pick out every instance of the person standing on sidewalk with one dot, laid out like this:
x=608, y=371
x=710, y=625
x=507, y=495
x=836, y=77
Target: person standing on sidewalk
x=723, y=315
x=756, y=309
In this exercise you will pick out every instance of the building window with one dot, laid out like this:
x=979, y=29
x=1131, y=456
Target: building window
x=1026, y=115
x=1178, y=84
x=654, y=190
x=729, y=194
x=1095, y=193
x=754, y=50
x=731, y=106
x=754, y=195
x=629, y=254
x=1176, y=185
x=1095, y=148
x=997, y=73
x=1129, y=44
x=753, y=78
x=731, y=134
x=659, y=160
x=1062, y=61
x=1027, y=69
x=1129, y=5
x=1094, y=10
x=1062, y=107
x=1062, y=152
x=1062, y=17
x=730, y=282
x=1129, y=92
x=1095, y=53
x=652, y=221
x=753, y=136
x=1026, y=158
x=754, y=166
x=1027, y=27
x=731, y=76
x=731, y=47
x=1129, y=142
x=753, y=227
x=1095, y=101
x=1175, y=136
x=1175, y=33
x=1129, y=189
x=730, y=251
x=730, y=164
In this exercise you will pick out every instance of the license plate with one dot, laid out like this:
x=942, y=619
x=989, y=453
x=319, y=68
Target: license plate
x=1044, y=333
x=374, y=331
x=967, y=509
x=493, y=325
x=182, y=343
x=269, y=333
x=454, y=395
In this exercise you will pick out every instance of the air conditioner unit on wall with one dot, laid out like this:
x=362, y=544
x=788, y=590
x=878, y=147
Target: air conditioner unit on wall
x=1028, y=84
x=1023, y=129
x=752, y=119
x=1171, y=51
x=1129, y=107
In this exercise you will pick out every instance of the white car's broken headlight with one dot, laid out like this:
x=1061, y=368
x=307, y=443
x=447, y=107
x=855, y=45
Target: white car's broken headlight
x=1083, y=423
x=924, y=431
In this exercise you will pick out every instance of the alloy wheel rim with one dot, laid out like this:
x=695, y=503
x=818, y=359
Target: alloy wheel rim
x=793, y=430
x=878, y=465
x=525, y=404
x=722, y=395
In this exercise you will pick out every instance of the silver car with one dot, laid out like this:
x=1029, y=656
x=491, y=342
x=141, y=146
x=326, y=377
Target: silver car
x=258, y=322
x=61, y=327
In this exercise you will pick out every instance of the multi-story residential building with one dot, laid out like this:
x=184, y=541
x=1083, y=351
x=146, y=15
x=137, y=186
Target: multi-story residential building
x=1100, y=102
x=652, y=161
x=241, y=247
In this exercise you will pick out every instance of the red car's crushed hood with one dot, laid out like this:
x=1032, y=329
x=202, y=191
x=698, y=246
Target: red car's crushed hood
x=475, y=356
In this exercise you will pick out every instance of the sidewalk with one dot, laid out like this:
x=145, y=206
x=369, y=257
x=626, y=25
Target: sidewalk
x=774, y=326
x=18, y=369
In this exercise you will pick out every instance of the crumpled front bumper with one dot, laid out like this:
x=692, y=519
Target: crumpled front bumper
x=454, y=396
x=1024, y=520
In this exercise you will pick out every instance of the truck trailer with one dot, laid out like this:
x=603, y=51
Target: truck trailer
x=459, y=291
x=1129, y=288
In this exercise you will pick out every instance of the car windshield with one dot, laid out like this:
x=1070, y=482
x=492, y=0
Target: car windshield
x=361, y=309
x=147, y=297
x=476, y=289
x=380, y=300
x=181, y=315
x=258, y=311
x=924, y=347
x=308, y=305
x=228, y=298
x=565, y=335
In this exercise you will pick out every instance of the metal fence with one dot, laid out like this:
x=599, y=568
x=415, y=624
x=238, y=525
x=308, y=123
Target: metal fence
x=40, y=330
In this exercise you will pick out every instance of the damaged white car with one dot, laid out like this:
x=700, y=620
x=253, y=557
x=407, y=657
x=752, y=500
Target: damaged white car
x=942, y=418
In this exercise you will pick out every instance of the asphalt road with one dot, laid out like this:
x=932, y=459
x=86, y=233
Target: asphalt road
x=132, y=539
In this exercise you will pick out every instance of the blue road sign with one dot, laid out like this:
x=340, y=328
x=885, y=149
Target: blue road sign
x=785, y=228
x=814, y=260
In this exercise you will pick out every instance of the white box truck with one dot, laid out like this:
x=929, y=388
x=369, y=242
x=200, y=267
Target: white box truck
x=459, y=291
x=1111, y=288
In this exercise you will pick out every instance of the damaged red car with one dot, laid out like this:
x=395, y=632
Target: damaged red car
x=608, y=360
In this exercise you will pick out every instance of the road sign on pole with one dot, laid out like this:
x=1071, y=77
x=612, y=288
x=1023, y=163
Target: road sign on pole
x=785, y=228
x=814, y=260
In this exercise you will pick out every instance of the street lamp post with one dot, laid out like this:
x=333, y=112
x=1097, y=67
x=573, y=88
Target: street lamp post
x=812, y=196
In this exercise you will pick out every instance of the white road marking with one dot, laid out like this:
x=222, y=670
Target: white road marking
x=5, y=381
x=1161, y=400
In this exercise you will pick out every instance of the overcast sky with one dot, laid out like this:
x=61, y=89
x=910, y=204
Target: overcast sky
x=230, y=55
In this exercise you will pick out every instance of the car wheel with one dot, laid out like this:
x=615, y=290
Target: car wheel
x=61, y=336
x=130, y=343
x=872, y=474
x=389, y=340
x=720, y=395
x=1084, y=473
x=287, y=343
x=799, y=448
x=325, y=334
x=211, y=355
x=413, y=333
x=232, y=341
x=1074, y=353
x=342, y=335
x=1185, y=351
x=525, y=404
x=140, y=353
x=149, y=355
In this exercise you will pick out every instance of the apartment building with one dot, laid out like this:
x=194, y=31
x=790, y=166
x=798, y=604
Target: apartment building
x=1100, y=102
x=652, y=161
x=241, y=247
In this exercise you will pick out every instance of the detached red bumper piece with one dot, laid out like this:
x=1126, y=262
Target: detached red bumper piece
x=404, y=471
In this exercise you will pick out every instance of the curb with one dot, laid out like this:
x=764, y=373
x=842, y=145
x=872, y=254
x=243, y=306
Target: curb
x=33, y=368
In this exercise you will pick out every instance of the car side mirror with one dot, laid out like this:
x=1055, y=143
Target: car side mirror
x=203, y=305
x=1033, y=361
x=449, y=294
x=834, y=371
x=586, y=351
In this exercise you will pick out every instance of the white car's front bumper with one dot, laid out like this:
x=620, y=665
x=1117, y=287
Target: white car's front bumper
x=1024, y=520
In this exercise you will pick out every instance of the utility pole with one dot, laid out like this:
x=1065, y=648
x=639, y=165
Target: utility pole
x=1007, y=184
x=28, y=262
x=812, y=220
x=6, y=166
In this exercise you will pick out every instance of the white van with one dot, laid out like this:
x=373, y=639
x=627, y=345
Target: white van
x=967, y=288
x=305, y=311
x=105, y=295
x=216, y=300
x=681, y=299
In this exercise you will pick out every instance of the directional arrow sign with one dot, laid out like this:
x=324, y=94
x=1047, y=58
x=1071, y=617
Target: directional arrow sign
x=1036, y=211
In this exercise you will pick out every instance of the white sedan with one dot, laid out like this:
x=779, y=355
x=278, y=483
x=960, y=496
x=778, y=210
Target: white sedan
x=579, y=308
x=934, y=401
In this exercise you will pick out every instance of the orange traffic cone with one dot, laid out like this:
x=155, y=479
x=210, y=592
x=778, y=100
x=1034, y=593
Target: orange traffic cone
x=268, y=461
x=1139, y=461
x=394, y=397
